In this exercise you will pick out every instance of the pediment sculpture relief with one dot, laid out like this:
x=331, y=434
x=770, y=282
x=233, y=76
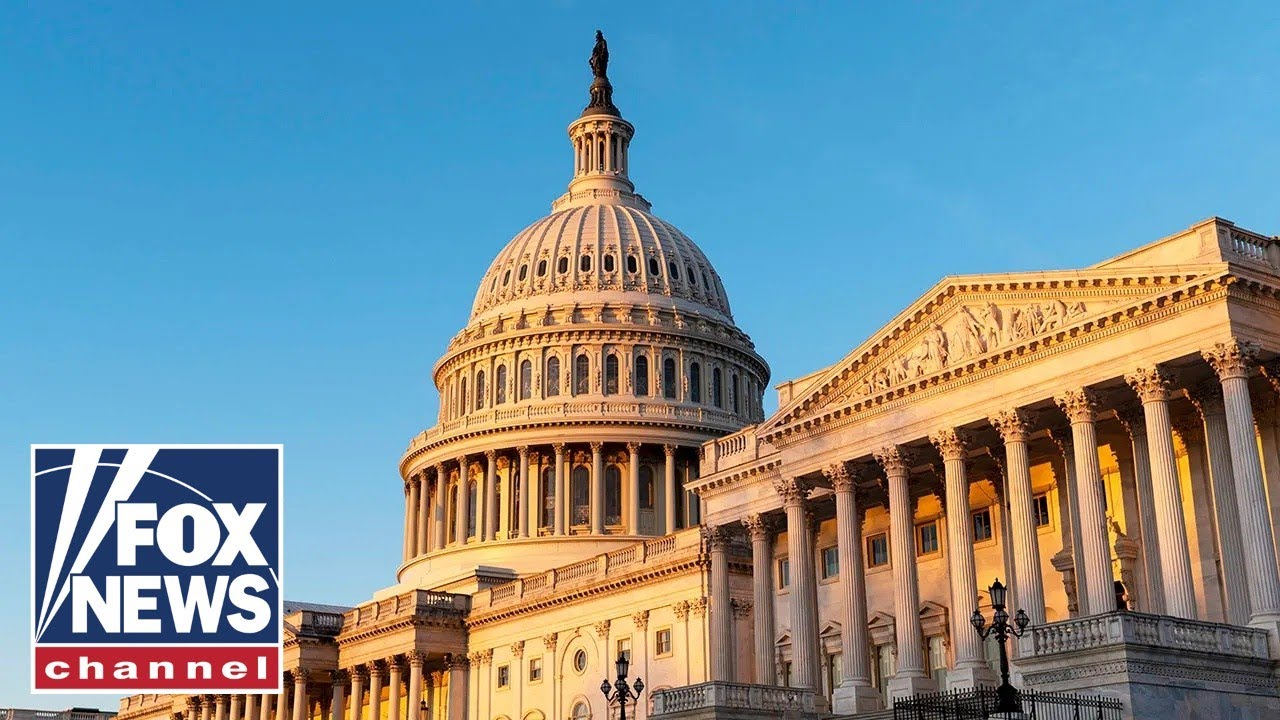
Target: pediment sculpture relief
x=972, y=331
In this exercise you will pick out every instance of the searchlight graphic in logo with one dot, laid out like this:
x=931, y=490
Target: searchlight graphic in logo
x=156, y=568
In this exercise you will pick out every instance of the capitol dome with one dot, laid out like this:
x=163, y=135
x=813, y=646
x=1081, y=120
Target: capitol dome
x=599, y=355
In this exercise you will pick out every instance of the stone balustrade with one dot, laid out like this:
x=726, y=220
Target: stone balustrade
x=410, y=603
x=556, y=580
x=1126, y=628
x=741, y=448
x=728, y=695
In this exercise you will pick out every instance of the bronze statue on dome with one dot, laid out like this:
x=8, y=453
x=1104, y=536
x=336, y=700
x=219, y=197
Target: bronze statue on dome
x=599, y=56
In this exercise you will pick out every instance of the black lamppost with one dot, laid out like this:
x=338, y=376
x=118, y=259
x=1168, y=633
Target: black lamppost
x=423, y=711
x=1006, y=696
x=621, y=692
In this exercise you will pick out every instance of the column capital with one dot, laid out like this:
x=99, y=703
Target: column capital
x=462, y=465
x=1232, y=359
x=759, y=526
x=596, y=446
x=842, y=476
x=416, y=658
x=1080, y=406
x=1152, y=384
x=794, y=490
x=441, y=473
x=1014, y=424
x=517, y=649
x=717, y=537
x=359, y=673
x=640, y=619
x=550, y=640
x=299, y=675
x=633, y=447
x=193, y=703
x=414, y=482
x=491, y=455
x=523, y=452
x=1207, y=397
x=339, y=677
x=1133, y=419
x=895, y=459
x=456, y=661
x=558, y=448
x=378, y=669
x=952, y=443
x=670, y=450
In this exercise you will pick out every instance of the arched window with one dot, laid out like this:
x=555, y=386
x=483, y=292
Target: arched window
x=647, y=489
x=695, y=382
x=479, y=404
x=580, y=492
x=669, y=378
x=451, y=519
x=462, y=398
x=500, y=387
x=553, y=376
x=580, y=711
x=642, y=375
x=526, y=379
x=611, y=374
x=548, y=505
x=581, y=375
x=612, y=495
x=736, y=392
x=473, y=507
x=717, y=388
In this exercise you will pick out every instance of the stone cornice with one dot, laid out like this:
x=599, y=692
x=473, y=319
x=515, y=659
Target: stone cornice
x=1120, y=318
x=767, y=470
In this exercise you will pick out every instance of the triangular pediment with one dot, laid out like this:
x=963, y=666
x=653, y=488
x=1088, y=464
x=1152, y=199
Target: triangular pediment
x=969, y=319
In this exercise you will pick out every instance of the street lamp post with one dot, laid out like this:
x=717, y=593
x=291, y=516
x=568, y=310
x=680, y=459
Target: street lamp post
x=620, y=690
x=423, y=711
x=1007, y=700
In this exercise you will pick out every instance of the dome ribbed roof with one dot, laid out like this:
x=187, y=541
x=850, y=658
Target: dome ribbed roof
x=614, y=253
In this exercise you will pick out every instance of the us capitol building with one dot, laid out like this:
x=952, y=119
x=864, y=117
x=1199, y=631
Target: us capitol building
x=602, y=480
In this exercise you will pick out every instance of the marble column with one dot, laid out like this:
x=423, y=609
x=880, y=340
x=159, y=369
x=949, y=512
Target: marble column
x=424, y=512
x=669, y=489
x=1081, y=407
x=415, y=684
x=301, y=698
x=633, y=489
x=462, y=523
x=535, y=509
x=722, y=643
x=522, y=528
x=1152, y=387
x=969, y=667
x=1266, y=415
x=490, y=495
x=457, y=687
x=804, y=640
x=910, y=677
x=1067, y=559
x=337, y=700
x=395, y=684
x=854, y=693
x=597, y=488
x=266, y=701
x=228, y=707
x=1208, y=401
x=1135, y=423
x=251, y=707
x=1014, y=427
x=441, y=507
x=761, y=531
x=358, y=675
x=409, y=507
x=1232, y=362
x=415, y=495
x=377, y=674
x=560, y=502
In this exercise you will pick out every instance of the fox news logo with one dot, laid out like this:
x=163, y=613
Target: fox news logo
x=156, y=568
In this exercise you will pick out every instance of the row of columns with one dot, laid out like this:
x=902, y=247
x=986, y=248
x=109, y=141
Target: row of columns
x=425, y=524
x=1245, y=533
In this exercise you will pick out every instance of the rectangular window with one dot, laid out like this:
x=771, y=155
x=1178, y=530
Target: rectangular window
x=982, y=525
x=662, y=642
x=784, y=573
x=834, y=671
x=623, y=649
x=504, y=676
x=786, y=674
x=535, y=669
x=878, y=550
x=927, y=538
x=830, y=563
x=1040, y=509
x=937, y=655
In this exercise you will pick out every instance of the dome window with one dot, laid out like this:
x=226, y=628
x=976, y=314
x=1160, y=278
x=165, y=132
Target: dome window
x=500, y=386
x=611, y=374
x=705, y=281
x=642, y=375
x=542, y=268
x=506, y=278
x=479, y=403
x=524, y=272
x=526, y=379
x=669, y=379
x=655, y=269
x=584, y=264
x=581, y=375
x=608, y=263
x=633, y=266
x=493, y=285
x=675, y=271
x=695, y=382
x=717, y=387
x=689, y=271
x=562, y=267
x=735, y=391
x=553, y=376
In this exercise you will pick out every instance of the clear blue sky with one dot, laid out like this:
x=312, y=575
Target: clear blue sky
x=233, y=222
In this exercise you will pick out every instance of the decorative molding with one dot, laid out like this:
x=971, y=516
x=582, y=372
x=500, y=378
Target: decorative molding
x=1014, y=425
x=699, y=607
x=1232, y=359
x=517, y=649
x=759, y=526
x=952, y=443
x=549, y=641
x=602, y=629
x=640, y=619
x=793, y=490
x=1079, y=406
x=681, y=609
x=1151, y=384
x=841, y=475
x=895, y=459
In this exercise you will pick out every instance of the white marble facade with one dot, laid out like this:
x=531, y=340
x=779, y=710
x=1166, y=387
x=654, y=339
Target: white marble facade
x=601, y=478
